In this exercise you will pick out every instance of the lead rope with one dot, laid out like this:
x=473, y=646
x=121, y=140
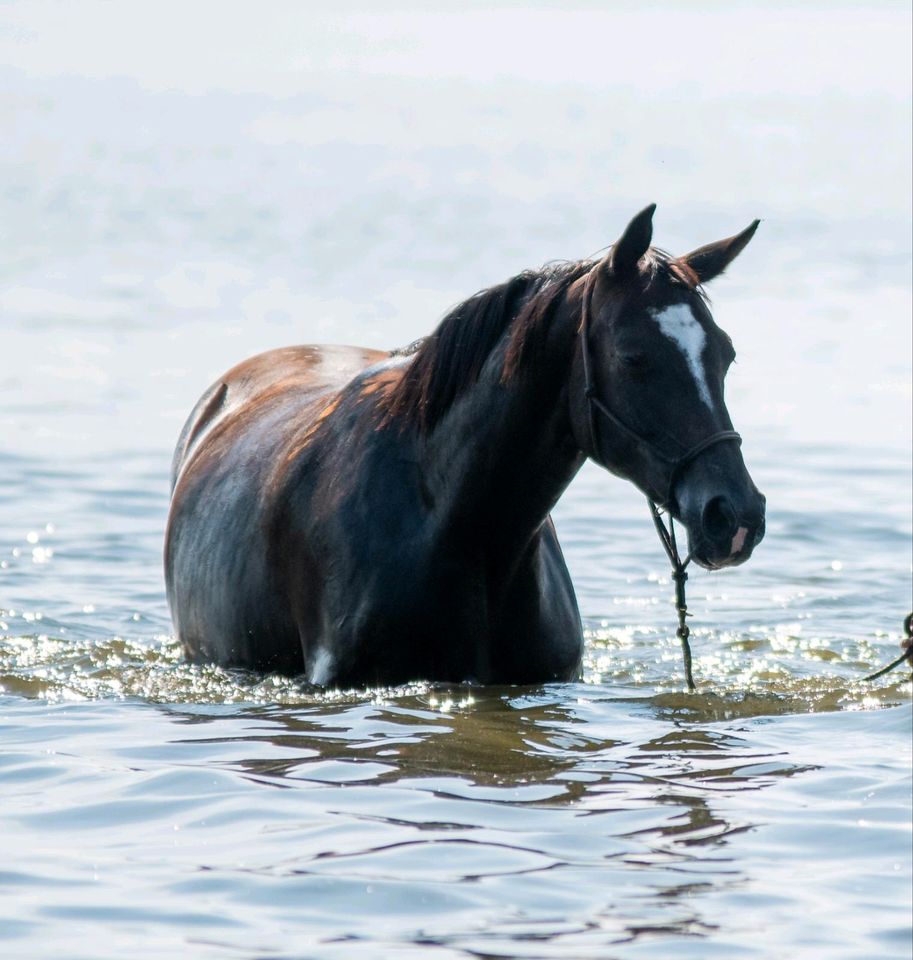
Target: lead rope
x=679, y=576
x=907, y=655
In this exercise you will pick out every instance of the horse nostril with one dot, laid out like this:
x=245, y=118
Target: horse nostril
x=718, y=520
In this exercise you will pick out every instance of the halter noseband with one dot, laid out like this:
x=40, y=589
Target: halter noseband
x=676, y=462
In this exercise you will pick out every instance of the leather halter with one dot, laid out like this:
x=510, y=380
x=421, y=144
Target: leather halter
x=675, y=461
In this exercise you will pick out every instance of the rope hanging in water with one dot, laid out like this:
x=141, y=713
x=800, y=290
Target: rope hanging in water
x=907, y=655
x=679, y=576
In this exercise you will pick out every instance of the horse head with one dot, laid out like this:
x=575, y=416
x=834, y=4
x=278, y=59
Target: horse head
x=651, y=366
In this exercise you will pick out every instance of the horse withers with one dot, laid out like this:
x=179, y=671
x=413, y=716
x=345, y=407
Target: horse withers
x=363, y=517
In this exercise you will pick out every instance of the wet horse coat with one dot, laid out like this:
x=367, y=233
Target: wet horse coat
x=361, y=516
x=270, y=457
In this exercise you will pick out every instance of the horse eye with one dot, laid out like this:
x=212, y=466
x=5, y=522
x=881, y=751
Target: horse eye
x=633, y=361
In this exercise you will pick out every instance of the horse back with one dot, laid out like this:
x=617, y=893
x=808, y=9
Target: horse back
x=302, y=375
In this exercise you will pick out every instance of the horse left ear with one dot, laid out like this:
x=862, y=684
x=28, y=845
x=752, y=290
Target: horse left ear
x=710, y=261
x=633, y=243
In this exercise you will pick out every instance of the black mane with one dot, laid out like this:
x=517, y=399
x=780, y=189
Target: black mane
x=448, y=361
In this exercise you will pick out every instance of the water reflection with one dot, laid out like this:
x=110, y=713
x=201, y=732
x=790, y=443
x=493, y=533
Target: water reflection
x=594, y=817
x=520, y=792
x=537, y=747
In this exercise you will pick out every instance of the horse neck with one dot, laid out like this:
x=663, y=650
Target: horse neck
x=503, y=455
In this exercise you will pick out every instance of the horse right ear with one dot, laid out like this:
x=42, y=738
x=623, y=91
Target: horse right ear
x=710, y=261
x=632, y=244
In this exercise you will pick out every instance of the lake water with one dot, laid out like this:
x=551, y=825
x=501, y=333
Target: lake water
x=183, y=186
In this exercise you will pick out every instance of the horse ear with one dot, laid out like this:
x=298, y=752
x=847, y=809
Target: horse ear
x=633, y=243
x=710, y=261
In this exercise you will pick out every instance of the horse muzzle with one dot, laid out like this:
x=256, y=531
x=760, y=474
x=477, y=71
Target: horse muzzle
x=723, y=527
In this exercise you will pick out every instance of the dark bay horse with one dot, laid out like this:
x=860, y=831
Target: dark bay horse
x=362, y=517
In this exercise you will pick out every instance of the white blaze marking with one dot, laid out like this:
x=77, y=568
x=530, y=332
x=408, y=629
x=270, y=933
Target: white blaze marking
x=680, y=325
x=322, y=668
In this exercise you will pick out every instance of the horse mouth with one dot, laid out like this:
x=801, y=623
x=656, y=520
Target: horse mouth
x=732, y=552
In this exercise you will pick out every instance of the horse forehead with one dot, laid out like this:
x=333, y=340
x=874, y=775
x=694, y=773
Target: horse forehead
x=679, y=324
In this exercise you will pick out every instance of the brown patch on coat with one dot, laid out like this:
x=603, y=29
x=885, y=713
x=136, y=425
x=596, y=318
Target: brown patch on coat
x=298, y=376
x=381, y=382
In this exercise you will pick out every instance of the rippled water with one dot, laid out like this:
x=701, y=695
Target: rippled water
x=169, y=207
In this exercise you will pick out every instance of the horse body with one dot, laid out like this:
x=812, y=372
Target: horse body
x=359, y=516
x=305, y=539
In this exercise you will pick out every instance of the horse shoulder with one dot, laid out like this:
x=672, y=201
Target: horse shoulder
x=351, y=482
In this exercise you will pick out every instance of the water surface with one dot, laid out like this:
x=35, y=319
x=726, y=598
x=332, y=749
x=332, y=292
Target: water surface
x=171, y=205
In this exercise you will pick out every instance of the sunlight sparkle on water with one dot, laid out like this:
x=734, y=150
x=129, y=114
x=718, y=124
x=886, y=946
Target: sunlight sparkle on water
x=448, y=704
